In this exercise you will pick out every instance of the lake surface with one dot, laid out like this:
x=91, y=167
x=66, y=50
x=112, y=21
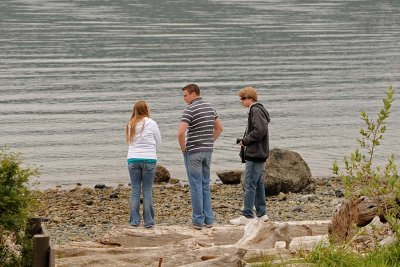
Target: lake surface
x=71, y=70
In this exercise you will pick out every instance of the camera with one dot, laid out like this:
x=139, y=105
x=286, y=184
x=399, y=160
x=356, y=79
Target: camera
x=241, y=153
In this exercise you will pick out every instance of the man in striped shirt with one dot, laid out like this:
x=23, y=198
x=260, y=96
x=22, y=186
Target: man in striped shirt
x=203, y=127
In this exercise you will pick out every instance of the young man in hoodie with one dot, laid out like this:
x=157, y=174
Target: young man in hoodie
x=256, y=152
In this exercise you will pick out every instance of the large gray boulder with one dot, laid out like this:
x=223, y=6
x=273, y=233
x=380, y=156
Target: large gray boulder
x=286, y=171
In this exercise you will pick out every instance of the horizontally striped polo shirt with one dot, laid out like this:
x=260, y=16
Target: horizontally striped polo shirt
x=200, y=117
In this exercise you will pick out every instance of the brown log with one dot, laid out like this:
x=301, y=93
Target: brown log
x=352, y=214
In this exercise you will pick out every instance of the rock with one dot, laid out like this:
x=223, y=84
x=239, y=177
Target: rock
x=321, y=182
x=286, y=171
x=335, y=202
x=174, y=181
x=162, y=175
x=308, y=198
x=114, y=195
x=230, y=177
x=55, y=219
x=298, y=209
x=339, y=193
x=100, y=186
x=282, y=196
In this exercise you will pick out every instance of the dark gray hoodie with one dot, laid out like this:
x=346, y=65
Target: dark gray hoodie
x=256, y=138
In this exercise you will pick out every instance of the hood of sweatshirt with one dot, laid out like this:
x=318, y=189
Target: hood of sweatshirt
x=259, y=105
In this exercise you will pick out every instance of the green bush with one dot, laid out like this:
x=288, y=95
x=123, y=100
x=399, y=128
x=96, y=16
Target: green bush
x=15, y=203
x=360, y=178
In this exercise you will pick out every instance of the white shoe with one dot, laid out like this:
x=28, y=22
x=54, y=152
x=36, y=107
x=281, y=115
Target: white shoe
x=242, y=220
x=263, y=218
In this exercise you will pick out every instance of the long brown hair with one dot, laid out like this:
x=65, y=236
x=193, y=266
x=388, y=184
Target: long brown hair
x=139, y=111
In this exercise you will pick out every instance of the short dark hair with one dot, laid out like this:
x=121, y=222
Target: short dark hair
x=192, y=88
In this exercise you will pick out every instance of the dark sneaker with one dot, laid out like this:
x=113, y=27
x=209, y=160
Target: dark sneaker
x=208, y=225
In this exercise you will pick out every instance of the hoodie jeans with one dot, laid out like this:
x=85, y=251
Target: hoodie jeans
x=254, y=192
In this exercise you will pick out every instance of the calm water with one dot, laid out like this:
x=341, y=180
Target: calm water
x=70, y=71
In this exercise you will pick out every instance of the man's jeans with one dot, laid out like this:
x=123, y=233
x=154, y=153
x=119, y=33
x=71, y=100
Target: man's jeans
x=142, y=176
x=254, y=191
x=198, y=172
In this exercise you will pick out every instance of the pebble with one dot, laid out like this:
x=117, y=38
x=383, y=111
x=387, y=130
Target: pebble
x=339, y=193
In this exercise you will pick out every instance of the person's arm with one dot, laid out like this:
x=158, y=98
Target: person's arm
x=217, y=128
x=157, y=135
x=181, y=135
x=259, y=125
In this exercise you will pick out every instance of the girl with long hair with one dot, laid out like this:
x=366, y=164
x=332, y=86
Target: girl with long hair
x=143, y=137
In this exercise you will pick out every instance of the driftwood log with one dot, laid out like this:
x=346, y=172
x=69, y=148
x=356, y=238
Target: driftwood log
x=352, y=214
x=264, y=235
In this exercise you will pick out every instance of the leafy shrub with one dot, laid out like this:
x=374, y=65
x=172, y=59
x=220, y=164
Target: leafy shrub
x=15, y=201
x=362, y=179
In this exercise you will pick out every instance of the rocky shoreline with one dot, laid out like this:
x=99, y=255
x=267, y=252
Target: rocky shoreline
x=86, y=214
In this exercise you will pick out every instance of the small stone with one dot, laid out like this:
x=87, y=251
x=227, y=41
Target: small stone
x=100, y=186
x=298, y=209
x=308, y=197
x=321, y=182
x=335, y=202
x=55, y=219
x=89, y=202
x=78, y=184
x=339, y=193
x=173, y=181
x=114, y=195
x=282, y=196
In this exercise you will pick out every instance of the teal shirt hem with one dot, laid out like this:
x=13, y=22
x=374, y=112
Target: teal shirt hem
x=142, y=160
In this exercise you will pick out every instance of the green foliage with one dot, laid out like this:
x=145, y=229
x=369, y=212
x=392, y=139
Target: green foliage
x=15, y=201
x=341, y=256
x=361, y=178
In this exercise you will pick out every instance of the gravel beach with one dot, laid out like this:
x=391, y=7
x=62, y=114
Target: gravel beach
x=85, y=214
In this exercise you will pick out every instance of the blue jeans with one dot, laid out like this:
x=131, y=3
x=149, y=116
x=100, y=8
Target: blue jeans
x=254, y=191
x=198, y=172
x=142, y=177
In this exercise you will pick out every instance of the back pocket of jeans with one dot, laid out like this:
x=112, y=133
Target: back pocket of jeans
x=150, y=167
